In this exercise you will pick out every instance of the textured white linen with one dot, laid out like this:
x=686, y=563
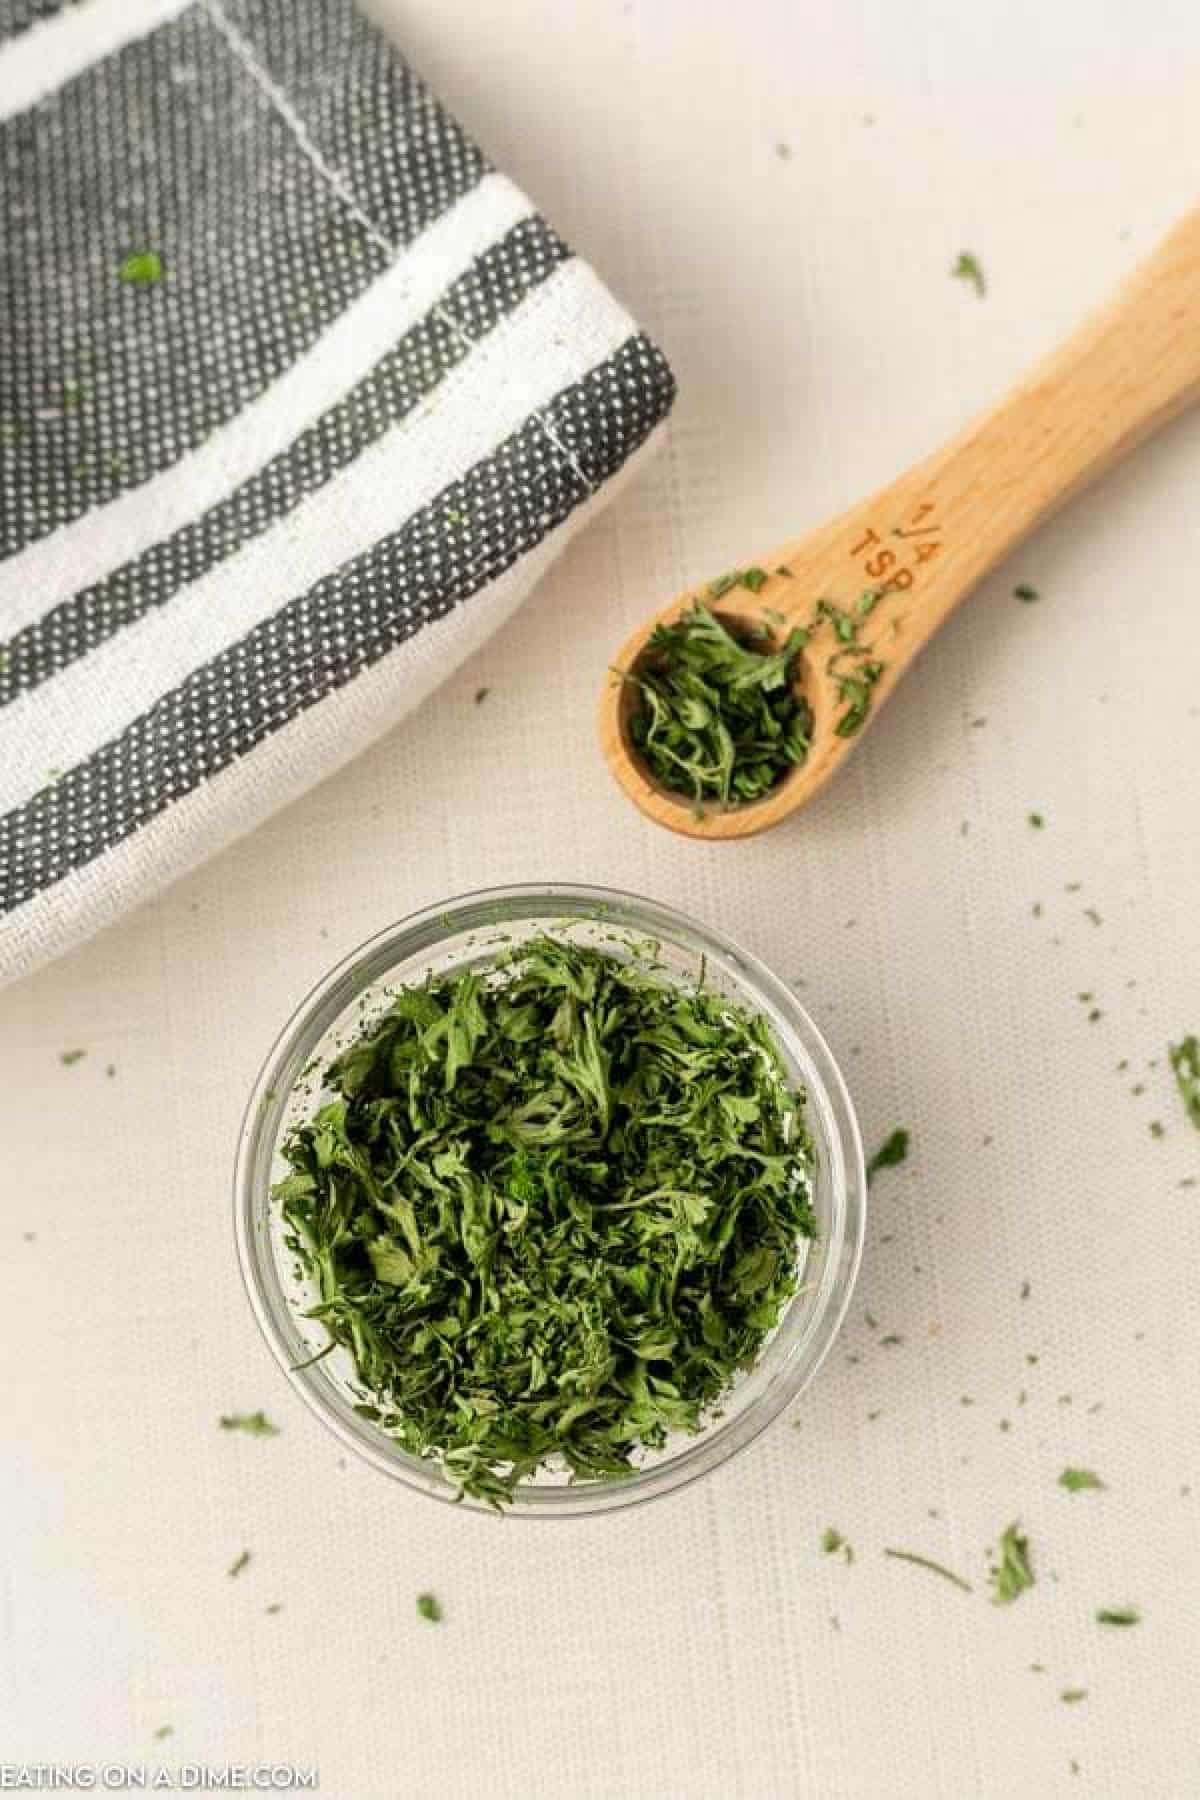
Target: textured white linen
x=686, y=1651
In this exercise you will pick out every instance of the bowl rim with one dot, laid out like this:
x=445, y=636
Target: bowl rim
x=324, y=1002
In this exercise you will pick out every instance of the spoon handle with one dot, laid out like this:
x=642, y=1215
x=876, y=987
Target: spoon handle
x=1126, y=371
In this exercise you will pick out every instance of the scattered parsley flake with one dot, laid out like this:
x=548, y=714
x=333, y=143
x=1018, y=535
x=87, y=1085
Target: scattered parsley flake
x=276, y=1606
x=164, y=1731
x=239, y=1563
x=1185, y=1061
x=936, y=1568
x=1077, y=1480
x=142, y=269
x=832, y=1541
x=68, y=1058
x=1012, y=1574
x=1023, y=591
x=1036, y=820
x=429, y=1607
x=255, y=1424
x=1157, y=1128
x=481, y=695
x=1071, y=1696
x=969, y=268
x=892, y=1152
x=1118, y=1615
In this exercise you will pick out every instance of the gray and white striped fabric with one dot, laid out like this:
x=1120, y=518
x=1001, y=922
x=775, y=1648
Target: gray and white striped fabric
x=253, y=510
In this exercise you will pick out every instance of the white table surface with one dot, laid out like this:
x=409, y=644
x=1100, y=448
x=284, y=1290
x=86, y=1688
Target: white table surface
x=689, y=1648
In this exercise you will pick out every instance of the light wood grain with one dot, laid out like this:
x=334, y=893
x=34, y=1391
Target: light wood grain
x=934, y=533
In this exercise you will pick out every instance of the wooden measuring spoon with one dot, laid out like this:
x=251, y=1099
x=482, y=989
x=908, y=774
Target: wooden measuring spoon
x=923, y=543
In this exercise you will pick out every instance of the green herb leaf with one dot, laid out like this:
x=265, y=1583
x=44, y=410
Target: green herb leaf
x=1118, y=1615
x=239, y=1563
x=255, y=1424
x=164, y=1731
x=935, y=1568
x=1077, y=1480
x=429, y=1608
x=68, y=1058
x=1185, y=1061
x=1036, y=820
x=754, y=579
x=892, y=1151
x=1023, y=591
x=1013, y=1573
x=718, y=719
x=142, y=269
x=551, y=1208
x=832, y=1541
x=969, y=268
x=1072, y=1696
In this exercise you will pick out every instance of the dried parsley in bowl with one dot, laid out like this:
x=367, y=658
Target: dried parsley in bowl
x=553, y=1208
x=717, y=718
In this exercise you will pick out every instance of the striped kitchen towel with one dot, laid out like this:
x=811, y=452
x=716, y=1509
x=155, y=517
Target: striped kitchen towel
x=298, y=398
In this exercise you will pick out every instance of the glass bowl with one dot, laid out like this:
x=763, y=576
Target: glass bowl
x=466, y=932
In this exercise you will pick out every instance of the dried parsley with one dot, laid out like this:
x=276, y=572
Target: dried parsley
x=935, y=1568
x=1185, y=1061
x=832, y=1541
x=255, y=1424
x=1013, y=1573
x=854, y=684
x=1023, y=591
x=892, y=1151
x=1077, y=1480
x=1118, y=1615
x=430, y=1607
x=551, y=1211
x=68, y=1058
x=969, y=268
x=239, y=1563
x=718, y=718
x=142, y=269
x=1072, y=1696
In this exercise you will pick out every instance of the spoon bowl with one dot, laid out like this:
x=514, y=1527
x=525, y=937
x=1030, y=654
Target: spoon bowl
x=873, y=585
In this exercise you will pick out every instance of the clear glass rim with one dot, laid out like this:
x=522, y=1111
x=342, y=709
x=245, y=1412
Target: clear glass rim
x=370, y=962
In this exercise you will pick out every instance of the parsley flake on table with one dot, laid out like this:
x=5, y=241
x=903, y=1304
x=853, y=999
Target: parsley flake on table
x=1118, y=1615
x=1023, y=591
x=1185, y=1061
x=1077, y=1480
x=68, y=1058
x=552, y=1210
x=832, y=1541
x=1012, y=1573
x=239, y=1563
x=429, y=1607
x=935, y=1568
x=255, y=1424
x=969, y=268
x=890, y=1154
